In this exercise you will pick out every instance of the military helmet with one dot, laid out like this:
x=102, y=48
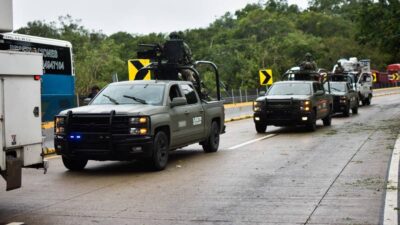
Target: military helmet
x=174, y=35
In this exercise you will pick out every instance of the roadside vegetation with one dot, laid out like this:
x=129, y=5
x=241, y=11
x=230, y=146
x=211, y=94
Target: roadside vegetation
x=269, y=34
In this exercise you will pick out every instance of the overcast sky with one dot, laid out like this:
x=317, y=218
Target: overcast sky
x=132, y=16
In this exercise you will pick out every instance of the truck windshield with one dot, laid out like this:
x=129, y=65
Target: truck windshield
x=123, y=94
x=336, y=86
x=290, y=89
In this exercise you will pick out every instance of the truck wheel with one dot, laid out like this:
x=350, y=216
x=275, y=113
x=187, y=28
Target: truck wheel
x=312, y=125
x=355, y=109
x=212, y=142
x=160, y=151
x=346, y=112
x=74, y=164
x=328, y=119
x=368, y=100
x=261, y=128
x=364, y=101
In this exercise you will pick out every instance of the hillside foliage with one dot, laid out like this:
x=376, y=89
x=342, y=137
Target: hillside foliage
x=270, y=34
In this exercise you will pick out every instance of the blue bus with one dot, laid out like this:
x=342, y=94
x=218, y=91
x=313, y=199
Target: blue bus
x=58, y=80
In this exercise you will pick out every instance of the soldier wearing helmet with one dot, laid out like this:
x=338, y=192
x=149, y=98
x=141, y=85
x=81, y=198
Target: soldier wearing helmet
x=309, y=63
x=187, y=54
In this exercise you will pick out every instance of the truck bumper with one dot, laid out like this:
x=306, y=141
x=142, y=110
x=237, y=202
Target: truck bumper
x=340, y=107
x=291, y=119
x=104, y=147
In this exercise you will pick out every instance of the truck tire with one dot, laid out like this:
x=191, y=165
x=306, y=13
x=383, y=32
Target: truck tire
x=74, y=164
x=328, y=119
x=346, y=111
x=368, y=100
x=212, y=142
x=159, y=158
x=312, y=125
x=261, y=128
x=355, y=109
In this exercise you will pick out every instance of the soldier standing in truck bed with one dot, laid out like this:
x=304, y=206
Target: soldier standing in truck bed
x=185, y=74
x=309, y=63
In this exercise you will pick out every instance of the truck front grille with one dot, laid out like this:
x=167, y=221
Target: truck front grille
x=282, y=109
x=336, y=100
x=99, y=124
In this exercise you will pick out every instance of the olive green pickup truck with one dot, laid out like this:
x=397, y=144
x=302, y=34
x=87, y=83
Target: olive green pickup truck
x=138, y=119
x=291, y=103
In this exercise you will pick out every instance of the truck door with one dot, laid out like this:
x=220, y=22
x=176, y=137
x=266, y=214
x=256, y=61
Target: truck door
x=22, y=117
x=195, y=112
x=322, y=103
x=179, y=119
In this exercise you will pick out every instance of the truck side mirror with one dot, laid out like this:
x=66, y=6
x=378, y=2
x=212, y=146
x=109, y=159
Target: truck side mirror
x=86, y=101
x=178, y=101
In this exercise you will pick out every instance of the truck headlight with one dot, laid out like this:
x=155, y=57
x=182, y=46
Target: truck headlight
x=257, y=106
x=138, y=120
x=59, y=125
x=343, y=99
x=139, y=131
x=60, y=120
x=305, y=108
x=305, y=105
x=139, y=125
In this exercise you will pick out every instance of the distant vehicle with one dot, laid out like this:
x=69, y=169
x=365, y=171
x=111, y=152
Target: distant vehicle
x=358, y=73
x=21, y=132
x=344, y=98
x=58, y=80
x=300, y=100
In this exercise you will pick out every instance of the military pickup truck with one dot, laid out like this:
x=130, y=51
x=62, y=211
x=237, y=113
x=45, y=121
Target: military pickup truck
x=290, y=103
x=344, y=98
x=138, y=119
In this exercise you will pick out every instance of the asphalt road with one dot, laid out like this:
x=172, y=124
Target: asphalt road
x=335, y=175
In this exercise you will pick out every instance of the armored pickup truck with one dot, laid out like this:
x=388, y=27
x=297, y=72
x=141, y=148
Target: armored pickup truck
x=138, y=120
x=290, y=103
x=344, y=98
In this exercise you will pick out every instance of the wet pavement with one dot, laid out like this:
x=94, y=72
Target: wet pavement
x=335, y=175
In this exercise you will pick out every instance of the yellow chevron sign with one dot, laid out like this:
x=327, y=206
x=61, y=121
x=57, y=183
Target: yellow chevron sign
x=134, y=65
x=394, y=77
x=266, y=77
x=374, y=77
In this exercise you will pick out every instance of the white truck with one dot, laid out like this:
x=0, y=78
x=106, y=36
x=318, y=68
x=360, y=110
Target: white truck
x=359, y=73
x=20, y=115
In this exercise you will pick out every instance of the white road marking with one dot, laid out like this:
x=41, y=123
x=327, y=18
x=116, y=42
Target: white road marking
x=252, y=141
x=391, y=207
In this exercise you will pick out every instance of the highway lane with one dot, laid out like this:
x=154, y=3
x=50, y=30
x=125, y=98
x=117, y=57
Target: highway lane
x=335, y=175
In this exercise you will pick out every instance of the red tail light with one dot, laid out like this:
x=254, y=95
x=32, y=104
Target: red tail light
x=36, y=77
